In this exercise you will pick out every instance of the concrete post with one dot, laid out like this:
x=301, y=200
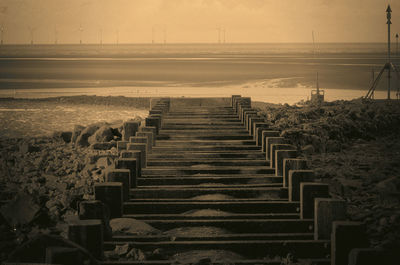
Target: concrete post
x=345, y=237
x=132, y=165
x=295, y=178
x=268, y=134
x=152, y=121
x=243, y=113
x=149, y=136
x=94, y=209
x=371, y=256
x=327, y=211
x=143, y=149
x=88, y=234
x=152, y=130
x=280, y=155
x=309, y=191
x=123, y=176
x=258, y=128
x=110, y=193
x=276, y=147
x=248, y=120
x=129, y=129
x=233, y=99
x=157, y=111
x=269, y=142
x=63, y=256
x=252, y=123
x=292, y=164
x=121, y=145
x=136, y=154
x=141, y=140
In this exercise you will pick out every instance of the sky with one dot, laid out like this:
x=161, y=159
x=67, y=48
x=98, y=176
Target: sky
x=196, y=21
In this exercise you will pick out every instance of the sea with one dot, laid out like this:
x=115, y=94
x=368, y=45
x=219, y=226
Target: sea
x=268, y=72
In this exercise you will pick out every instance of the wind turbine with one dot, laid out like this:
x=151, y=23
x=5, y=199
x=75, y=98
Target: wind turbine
x=80, y=33
x=2, y=33
x=117, y=36
x=224, y=35
x=55, y=35
x=153, y=34
x=219, y=35
x=165, y=34
x=101, y=35
x=32, y=31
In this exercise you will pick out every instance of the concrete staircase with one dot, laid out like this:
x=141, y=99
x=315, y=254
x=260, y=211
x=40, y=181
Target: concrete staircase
x=205, y=159
x=211, y=176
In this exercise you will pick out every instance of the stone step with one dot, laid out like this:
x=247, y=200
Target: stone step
x=193, y=121
x=206, y=148
x=203, y=137
x=227, y=206
x=186, y=193
x=238, y=226
x=222, y=237
x=188, y=127
x=204, y=132
x=159, y=171
x=184, y=116
x=180, y=143
x=231, y=261
x=251, y=249
x=211, y=179
x=210, y=217
x=207, y=155
x=218, y=185
x=180, y=163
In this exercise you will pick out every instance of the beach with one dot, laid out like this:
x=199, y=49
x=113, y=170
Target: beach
x=277, y=73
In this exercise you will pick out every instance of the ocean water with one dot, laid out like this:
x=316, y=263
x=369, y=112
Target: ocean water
x=278, y=73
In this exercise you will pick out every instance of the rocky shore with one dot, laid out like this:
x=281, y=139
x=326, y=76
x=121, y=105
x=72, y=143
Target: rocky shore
x=353, y=145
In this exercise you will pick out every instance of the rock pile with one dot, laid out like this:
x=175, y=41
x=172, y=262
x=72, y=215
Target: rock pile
x=46, y=178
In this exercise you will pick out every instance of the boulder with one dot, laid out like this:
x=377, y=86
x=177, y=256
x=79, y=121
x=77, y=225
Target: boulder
x=83, y=138
x=26, y=147
x=103, y=134
x=20, y=211
x=76, y=132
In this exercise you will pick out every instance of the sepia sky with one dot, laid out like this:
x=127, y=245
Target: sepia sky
x=197, y=20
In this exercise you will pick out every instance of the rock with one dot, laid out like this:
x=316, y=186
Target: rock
x=121, y=250
x=66, y=136
x=308, y=149
x=103, y=146
x=389, y=186
x=131, y=226
x=103, y=162
x=332, y=146
x=136, y=254
x=103, y=134
x=76, y=132
x=25, y=148
x=22, y=210
x=83, y=138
